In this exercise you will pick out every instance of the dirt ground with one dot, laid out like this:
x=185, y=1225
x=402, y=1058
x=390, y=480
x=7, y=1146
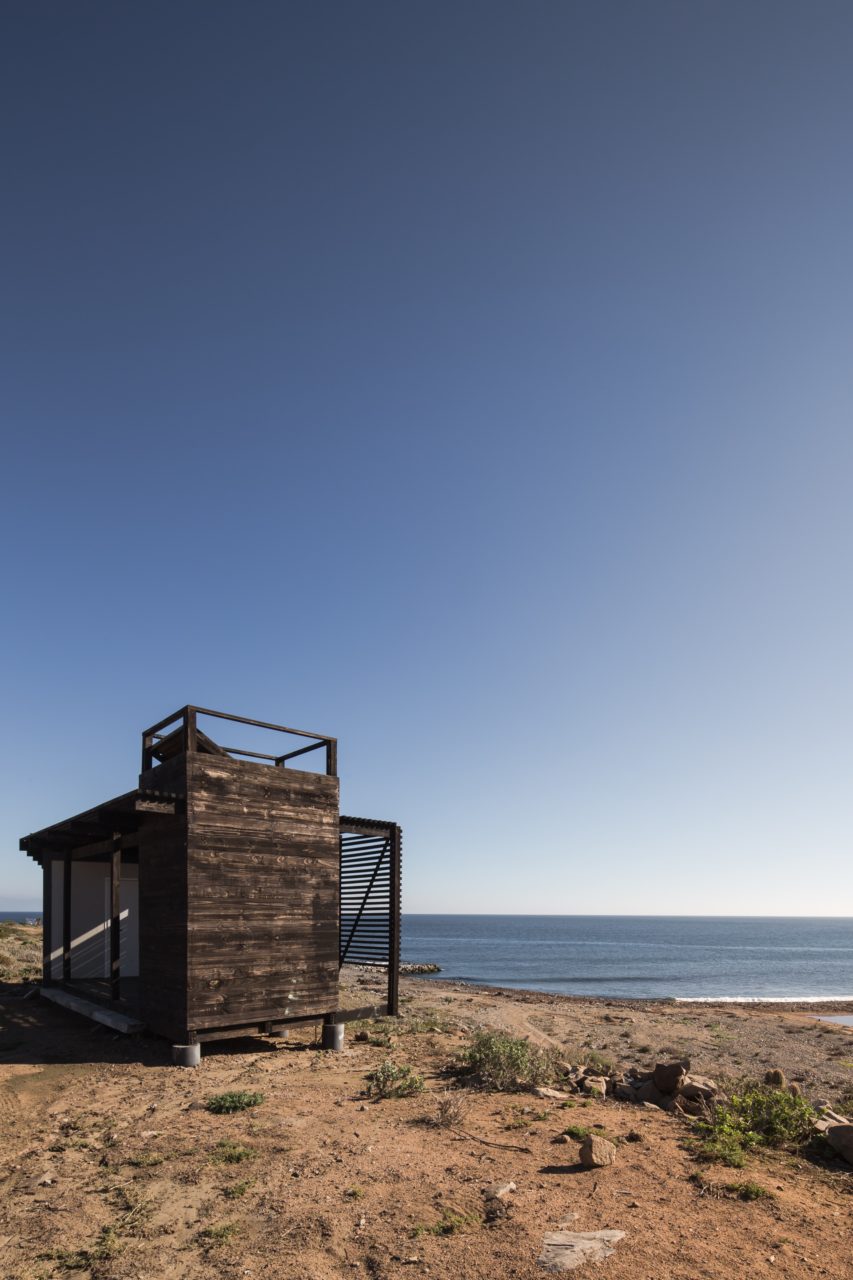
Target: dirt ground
x=112, y=1167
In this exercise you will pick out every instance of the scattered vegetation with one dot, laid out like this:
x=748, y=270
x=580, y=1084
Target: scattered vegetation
x=219, y=1235
x=451, y=1109
x=146, y=1160
x=223, y=1104
x=228, y=1152
x=393, y=1080
x=504, y=1062
x=448, y=1224
x=20, y=952
x=428, y=1020
x=237, y=1189
x=757, y=1115
x=597, y=1062
x=748, y=1191
x=577, y=1131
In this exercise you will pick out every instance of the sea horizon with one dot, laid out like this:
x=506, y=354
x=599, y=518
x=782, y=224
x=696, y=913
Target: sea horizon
x=708, y=958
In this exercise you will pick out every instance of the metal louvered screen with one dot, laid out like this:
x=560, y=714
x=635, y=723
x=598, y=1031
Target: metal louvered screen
x=370, y=897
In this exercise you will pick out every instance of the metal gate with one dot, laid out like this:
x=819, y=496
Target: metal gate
x=370, y=897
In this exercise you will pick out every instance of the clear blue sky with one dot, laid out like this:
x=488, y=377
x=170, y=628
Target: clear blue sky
x=472, y=381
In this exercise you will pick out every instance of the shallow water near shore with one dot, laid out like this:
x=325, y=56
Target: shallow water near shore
x=642, y=957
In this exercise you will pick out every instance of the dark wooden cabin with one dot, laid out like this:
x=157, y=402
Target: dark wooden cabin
x=223, y=894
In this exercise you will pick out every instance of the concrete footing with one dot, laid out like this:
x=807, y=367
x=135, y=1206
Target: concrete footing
x=333, y=1036
x=186, y=1055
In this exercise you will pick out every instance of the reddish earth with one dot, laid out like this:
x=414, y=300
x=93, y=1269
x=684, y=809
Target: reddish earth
x=113, y=1168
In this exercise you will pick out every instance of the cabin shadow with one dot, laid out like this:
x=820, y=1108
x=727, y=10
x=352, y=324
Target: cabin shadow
x=34, y=1032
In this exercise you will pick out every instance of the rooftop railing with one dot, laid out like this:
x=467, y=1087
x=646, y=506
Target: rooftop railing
x=185, y=735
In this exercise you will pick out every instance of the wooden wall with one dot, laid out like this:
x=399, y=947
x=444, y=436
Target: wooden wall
x=262, y=892
x=163, y=908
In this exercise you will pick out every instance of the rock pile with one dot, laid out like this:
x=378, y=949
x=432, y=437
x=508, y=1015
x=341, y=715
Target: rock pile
x=669, y=1086
x=838, y=1131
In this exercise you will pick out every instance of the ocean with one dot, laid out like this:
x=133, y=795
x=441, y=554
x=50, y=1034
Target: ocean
x=641, y=957
x=644, y=957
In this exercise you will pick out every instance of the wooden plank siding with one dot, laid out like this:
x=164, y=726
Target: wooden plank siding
x=163, y=925
x=262, y=892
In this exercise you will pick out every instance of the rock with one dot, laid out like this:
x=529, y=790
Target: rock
x=565, y=1250
x=697, y=1106
x=625, y=1093
x=46, y=1181
x=669, y=1076
x=649, y=1093
x=698, y=1087
x=633, y=1136
x=597, y=1153
x=495, y=1200
x=840, y=1138
x=542, y=1091
x=596, y=1085
x=562, y=1138
x=500, y=1190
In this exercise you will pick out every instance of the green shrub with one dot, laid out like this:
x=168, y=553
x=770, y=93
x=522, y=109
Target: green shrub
x=505, y=1062
x=393, y=1080
x=577, y=1131
x=218, y=1235
x=758, y=1115
x=228, y=1152
x=223, y=1104
x=449, y=1223
x=237, y=1189
x=748, y=1191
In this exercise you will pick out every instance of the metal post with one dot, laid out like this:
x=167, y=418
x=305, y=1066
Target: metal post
x=394, y=925
x=66, y=917
x=115, y=919
x=333, y=1036
x=47, y=921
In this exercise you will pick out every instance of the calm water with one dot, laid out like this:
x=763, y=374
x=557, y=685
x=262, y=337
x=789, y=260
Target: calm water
x=685, y=957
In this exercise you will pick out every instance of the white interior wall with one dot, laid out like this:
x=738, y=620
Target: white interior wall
x=90, y=920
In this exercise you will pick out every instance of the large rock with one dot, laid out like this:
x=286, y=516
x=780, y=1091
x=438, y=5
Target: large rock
x=595, y=1085
x=565, y=1250
x=698, y=1087
x=648, y=1091
x=597, y=1153
x=669, y=1076
x=840, y=1138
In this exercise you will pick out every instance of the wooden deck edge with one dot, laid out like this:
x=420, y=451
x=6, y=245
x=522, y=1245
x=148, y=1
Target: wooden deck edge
x=90, y=1009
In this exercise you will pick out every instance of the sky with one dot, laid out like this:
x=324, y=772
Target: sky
x=469, y=380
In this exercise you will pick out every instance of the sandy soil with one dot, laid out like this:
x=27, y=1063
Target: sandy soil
x=113, y=1167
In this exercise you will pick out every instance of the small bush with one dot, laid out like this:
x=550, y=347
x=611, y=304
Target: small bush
x=758, y=1115
x=748, y=1191
x=393, y=1080
x=237, y=1189
x=448, y=1224
x=218, y=1235
x=504, y=1062
x=577, y=1131
x=451, y=1110
x=224, y=1104
x=228, y=1152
